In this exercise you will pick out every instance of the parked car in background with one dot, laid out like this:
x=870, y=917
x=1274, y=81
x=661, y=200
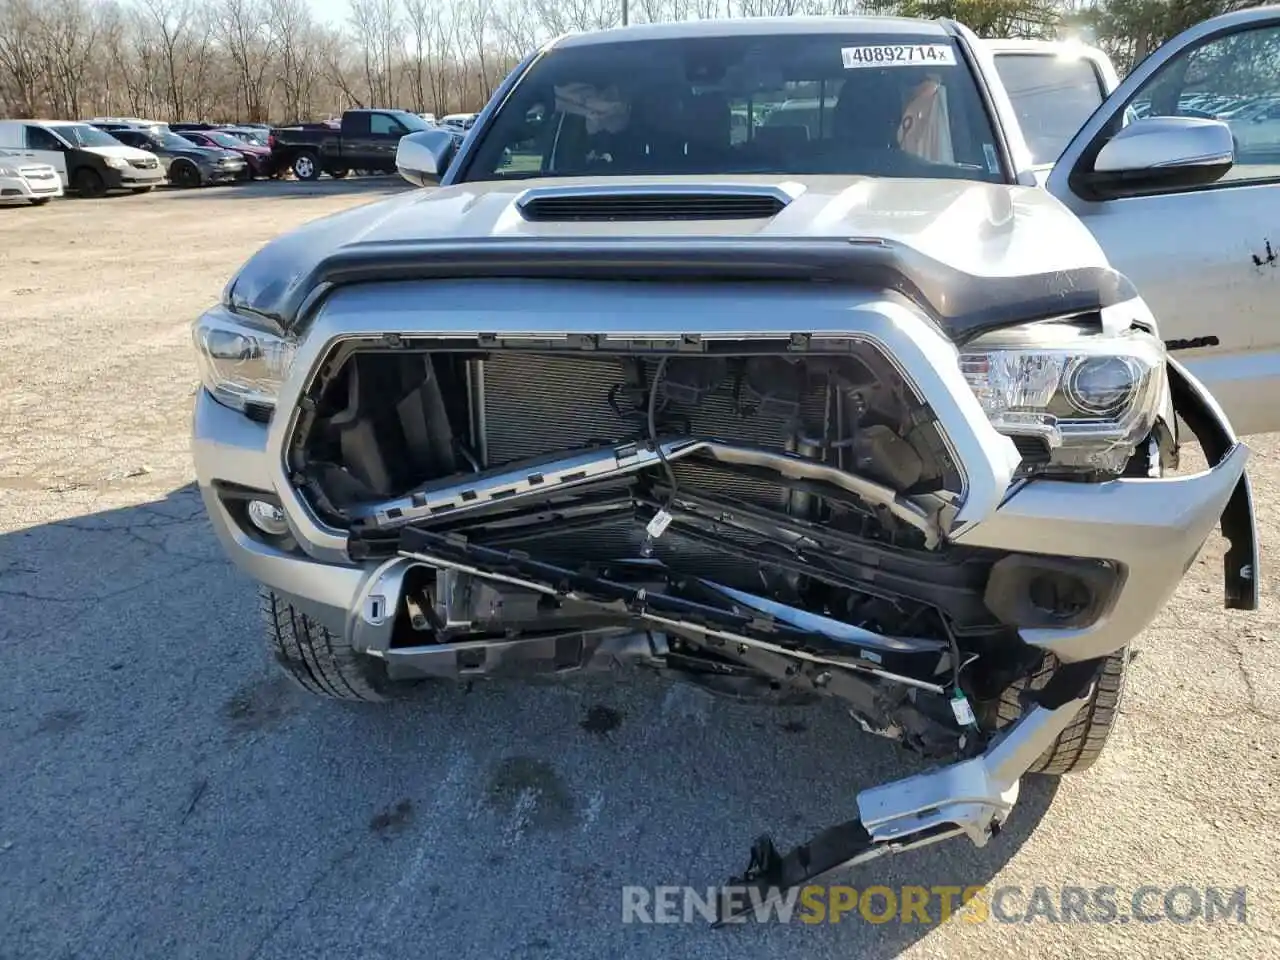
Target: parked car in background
x=1256, y=126
x=88, y=161
x=258, y=160
x=1054, y=87
x=1248, y=108
x=364, y=140
x=188, y=164
x=249, y=135
x=184, y=127
x=462, y=121
x=26, y=180
x=126, y=123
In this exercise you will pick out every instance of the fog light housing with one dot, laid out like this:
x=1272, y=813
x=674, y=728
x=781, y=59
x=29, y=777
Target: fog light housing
x=268, y=518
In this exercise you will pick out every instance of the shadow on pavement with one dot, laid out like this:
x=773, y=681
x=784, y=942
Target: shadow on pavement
x=168, y=793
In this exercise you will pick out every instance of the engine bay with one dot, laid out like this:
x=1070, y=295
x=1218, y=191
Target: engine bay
x=773, y=515
x=382, y=425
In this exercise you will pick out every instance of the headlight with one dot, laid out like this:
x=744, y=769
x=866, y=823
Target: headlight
x=241, y=364
x=1089, y=398
x=115, y=163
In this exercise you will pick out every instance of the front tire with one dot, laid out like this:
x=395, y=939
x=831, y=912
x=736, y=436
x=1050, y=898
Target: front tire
x=1080, y=745
x=322, y=662
x=306, y=166
x=184, y=175
x=89, y=183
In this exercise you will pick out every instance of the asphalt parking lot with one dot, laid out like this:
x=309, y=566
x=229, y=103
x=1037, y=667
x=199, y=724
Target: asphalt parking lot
x=166, y=793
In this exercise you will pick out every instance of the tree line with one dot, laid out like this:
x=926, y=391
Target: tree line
x=274, y=61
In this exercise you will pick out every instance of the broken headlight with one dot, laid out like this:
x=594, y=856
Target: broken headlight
x=1088, y=399
x=241, y=364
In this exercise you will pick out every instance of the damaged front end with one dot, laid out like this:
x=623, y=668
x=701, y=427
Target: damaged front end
x=848, y=512
x=770, y=521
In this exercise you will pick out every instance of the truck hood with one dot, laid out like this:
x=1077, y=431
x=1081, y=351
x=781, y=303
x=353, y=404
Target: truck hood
x=992, y=242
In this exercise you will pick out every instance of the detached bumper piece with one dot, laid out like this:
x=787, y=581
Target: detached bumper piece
x=971, y=798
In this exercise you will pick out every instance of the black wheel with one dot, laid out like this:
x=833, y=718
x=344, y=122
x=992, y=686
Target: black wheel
x=339, y=173
x=184, y=174
x=306, y=166
x=40, y=201
x=88, y=183
x=1078, y=746
x=322, y=662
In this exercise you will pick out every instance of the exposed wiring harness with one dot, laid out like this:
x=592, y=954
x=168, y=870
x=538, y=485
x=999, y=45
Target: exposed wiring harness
x=660, y=521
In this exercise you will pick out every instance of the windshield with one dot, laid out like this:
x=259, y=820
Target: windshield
x=888, y=106
x=226, y=140
x=247, y=136
x=173, y=141
x=83, y=135
x=1052, y=96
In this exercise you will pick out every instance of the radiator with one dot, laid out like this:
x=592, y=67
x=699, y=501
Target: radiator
x=535, y=405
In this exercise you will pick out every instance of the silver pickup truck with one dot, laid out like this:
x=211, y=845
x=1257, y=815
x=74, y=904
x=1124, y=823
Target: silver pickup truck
x=839, y=404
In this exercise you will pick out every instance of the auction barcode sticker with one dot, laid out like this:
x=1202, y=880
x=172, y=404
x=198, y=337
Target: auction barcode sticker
x=899, y=55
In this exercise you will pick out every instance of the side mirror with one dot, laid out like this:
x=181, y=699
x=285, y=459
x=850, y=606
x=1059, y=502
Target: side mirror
x=423, y=157
x=1162, y=153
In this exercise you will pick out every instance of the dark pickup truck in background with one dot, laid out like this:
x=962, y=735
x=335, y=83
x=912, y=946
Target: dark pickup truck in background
x=366, y=140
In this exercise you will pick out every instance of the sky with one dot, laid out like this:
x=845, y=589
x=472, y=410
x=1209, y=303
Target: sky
x=333, y=11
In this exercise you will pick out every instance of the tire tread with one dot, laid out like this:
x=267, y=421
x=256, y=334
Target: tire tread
x=318, y=660
x=1078, y=747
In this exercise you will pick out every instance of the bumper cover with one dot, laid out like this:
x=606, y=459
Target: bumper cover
x=132, y=177
x=21, y=189
x=223, y=171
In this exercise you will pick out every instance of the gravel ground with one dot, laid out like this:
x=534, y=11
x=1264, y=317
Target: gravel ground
x=166, y=793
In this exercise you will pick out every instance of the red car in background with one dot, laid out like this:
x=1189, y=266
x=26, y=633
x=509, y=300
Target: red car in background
x=257, y=159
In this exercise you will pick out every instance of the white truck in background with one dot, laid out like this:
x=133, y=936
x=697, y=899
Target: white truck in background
x=1055, y=86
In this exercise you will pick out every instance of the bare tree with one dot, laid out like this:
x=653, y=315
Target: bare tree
x=473, y=28
x=244, y=32
x=377, y=27
x=421, y=16
x=67, y=38
x=20, y=29
x=296, y=41
x=171, y=22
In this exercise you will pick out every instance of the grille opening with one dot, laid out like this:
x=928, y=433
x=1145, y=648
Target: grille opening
x=653, y=206
x=382, y=423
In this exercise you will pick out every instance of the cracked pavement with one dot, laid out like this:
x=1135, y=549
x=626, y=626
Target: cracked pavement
x=166, y=793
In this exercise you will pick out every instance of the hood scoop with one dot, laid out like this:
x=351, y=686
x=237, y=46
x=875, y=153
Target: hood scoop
x=662, y=201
